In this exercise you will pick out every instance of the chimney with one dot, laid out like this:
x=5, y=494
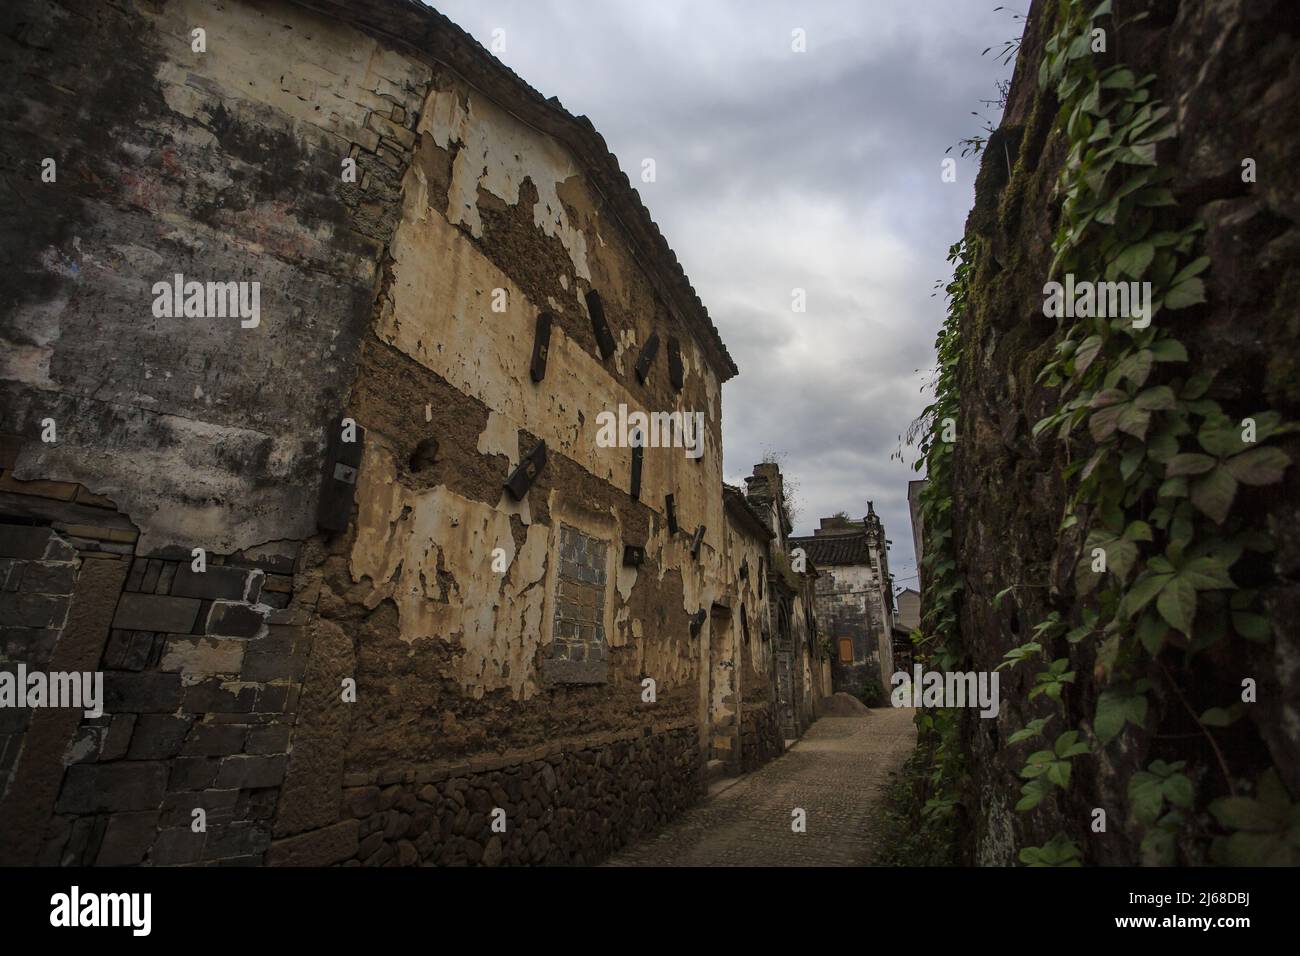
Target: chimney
x=764, y=488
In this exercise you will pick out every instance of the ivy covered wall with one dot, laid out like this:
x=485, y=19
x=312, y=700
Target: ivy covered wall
x=1117, y=524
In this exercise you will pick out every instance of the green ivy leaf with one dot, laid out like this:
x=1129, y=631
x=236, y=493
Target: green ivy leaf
x=1135, y=259
x=1187, y=293
x=1168, y=350
x=1177, y=604
x=1261, y=466
x=1253, y=627
x=1188, y=463
x=1144, y=589
x=1221, y=716
x=1158, y=399
x=1213, y=494
x=1115, y=707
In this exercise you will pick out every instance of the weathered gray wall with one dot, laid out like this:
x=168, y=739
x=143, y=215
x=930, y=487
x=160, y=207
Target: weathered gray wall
x=223, y=166
x=1228, y=69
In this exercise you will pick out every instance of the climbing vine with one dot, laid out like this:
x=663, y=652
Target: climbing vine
x=937, y=639
x=1168, y=557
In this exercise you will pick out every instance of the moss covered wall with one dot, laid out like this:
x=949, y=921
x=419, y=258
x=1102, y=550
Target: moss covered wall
x=1227, y=69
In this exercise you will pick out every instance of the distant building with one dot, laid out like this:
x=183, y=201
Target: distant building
x=855, y=606
x=914, y=489
x=801, y=674
x=906, y=620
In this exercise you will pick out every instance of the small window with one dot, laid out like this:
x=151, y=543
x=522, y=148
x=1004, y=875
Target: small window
x=744, y=623
x=578, y=651
x=846, y=650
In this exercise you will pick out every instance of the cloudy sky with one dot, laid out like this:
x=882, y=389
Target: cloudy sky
x=778, y=170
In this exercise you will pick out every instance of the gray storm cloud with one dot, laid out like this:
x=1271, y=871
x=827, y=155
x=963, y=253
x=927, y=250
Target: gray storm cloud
x=778, y=170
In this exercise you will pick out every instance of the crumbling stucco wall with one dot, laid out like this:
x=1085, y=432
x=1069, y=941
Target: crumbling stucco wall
x=376, y=301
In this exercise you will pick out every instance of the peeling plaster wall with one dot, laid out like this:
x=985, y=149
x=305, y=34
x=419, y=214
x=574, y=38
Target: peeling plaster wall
x=450, y=652
x=436, y=310
x=376, y=303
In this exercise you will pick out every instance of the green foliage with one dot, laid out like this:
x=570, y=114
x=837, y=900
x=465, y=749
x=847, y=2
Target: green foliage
x=1059, y=851
x=922, y=828
x=872, y=694
x=938, y=766
x=1265, y=829
x=1156, y=465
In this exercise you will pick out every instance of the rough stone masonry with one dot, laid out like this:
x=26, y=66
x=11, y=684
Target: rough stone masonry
x=363, y=586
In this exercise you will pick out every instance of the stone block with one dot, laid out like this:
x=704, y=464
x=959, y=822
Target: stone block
x=24, y=541
x=193, y=773
x=158, y=737
x=22, y=609
x=49, y=577
x=177, y=846
x=218, y=740
x=268, y=740
x=231, y=619
x=156, y=612
x=387, y=129
x=217, y=583
x=218, y=807
x=236, y=840
x=246, y=772
x=324, y=847
x=113, y=787
x=118, y=738
x=32, y=645
x=127, y=838
x=144, y=693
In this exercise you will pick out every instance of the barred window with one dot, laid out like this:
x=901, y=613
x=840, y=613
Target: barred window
x=578, y=650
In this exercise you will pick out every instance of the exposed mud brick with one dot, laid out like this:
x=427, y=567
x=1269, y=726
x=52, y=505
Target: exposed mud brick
x=223, y=697
x=156, y=612
x=202, y=656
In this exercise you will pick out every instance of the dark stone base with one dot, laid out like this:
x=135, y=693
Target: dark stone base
x=571, y=808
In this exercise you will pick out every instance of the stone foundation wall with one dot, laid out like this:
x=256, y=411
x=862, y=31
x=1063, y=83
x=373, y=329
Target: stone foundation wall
x=760, y=737
x=574, y=804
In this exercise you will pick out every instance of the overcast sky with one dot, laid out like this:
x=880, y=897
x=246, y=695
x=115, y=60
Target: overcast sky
x=778, y=170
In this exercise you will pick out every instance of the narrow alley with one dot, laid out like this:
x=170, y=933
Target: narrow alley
x=838, y=773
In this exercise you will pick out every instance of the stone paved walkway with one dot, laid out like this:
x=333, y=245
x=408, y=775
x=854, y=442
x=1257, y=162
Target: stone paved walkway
x=837, y=773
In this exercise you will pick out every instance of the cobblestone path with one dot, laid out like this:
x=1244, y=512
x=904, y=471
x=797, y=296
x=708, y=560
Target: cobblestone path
x=837, y=773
